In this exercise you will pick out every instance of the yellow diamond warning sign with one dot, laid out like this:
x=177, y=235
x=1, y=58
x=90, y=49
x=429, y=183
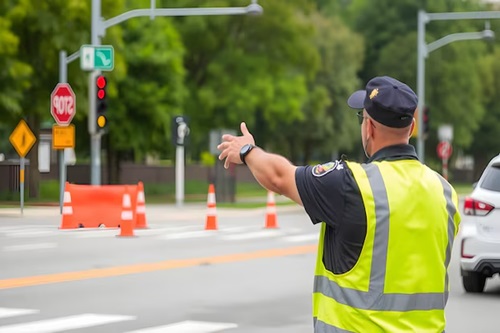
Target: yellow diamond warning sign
x=22, y=138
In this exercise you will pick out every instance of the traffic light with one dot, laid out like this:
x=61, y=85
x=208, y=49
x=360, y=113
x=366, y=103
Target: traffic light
x=101, y=104
x=426, y=119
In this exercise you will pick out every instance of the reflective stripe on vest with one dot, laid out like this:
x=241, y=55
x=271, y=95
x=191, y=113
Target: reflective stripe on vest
x=375, y=298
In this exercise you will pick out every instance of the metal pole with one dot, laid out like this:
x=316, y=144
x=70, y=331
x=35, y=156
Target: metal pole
x=179, y=175
x=421, y=54
x=63, y=78
x=21, y=184
x=95, y=138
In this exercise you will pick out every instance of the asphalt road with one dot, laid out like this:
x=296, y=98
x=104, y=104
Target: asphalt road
x=176, y=277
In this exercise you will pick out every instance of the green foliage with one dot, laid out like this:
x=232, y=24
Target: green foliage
x=207, y=159
x=286, y=73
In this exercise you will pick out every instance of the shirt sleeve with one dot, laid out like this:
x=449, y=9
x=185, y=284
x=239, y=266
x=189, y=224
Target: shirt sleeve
x=322, y=190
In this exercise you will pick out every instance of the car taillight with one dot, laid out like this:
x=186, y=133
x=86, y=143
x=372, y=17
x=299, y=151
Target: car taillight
x=462, y=253
x=476, y=207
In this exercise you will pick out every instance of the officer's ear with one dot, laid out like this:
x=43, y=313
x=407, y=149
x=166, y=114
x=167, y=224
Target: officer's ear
x=412, y=128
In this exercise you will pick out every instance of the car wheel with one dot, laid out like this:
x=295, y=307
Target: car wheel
x=474, y=282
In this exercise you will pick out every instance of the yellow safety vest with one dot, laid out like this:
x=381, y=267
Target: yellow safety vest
x=400, y=281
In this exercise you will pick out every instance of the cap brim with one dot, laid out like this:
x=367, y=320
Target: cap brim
x=357, y=99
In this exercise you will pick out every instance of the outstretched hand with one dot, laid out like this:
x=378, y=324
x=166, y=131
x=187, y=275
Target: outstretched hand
x=231, y=146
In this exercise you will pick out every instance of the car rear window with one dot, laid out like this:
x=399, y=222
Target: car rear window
x=492, y=179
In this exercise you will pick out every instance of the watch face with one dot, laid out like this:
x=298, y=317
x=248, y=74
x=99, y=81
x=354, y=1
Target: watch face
x=245, y=149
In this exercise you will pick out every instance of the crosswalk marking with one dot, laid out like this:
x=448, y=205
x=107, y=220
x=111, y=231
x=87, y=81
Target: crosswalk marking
x=250, y=235
x=7, y=312
x=33, y=246
x=302, y=238
x=161, y=232
x=30, y=233
x=189, y=234
x=64, y=323
x=188, y=326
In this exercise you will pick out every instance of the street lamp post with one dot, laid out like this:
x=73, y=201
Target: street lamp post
x=424, y=49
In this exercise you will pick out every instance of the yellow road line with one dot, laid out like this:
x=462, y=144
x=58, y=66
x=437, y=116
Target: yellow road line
x=151, y=267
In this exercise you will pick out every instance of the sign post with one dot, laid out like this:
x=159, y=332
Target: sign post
x=180, y=131
x=22, y=138
x=62, y=109
x=444, y=151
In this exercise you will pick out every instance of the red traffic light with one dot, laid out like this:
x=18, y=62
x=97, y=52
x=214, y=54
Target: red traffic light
x=101, y=94
x=101, y=82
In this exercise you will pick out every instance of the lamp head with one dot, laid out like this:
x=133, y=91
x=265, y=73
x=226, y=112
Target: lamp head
x=254, y=9
x=488, y=35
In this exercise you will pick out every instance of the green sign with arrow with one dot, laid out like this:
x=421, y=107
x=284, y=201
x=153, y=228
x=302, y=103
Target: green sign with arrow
x=97, y=57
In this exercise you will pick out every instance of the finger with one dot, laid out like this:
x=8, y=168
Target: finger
x=244, y=129
x=227, y=137
x=226, y=163
x=222, y=155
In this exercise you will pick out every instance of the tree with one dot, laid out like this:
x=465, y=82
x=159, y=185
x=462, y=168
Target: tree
x=43, y=28
x=247, y=68
x=328, y=125
x=149, y=94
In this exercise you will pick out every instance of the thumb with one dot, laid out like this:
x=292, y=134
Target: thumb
x=244, y=129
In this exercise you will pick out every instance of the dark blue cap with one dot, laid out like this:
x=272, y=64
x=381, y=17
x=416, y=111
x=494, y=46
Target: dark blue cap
x=386, y=100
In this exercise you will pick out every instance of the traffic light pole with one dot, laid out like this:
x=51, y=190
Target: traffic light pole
x=98, y=30
x=423, y=50
x=95, y=137
x=64, y=60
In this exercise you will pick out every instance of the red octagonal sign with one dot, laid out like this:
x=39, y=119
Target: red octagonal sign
x=63, y=104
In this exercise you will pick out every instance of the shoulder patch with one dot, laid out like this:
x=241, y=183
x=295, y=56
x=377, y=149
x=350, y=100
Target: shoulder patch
x=322, y=169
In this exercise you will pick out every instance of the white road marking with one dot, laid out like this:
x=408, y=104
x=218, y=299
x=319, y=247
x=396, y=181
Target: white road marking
x=251, y=235
x=302, y=238
x=30, y=233
x=28, y=247
x=190, y=234
x=63, y=324
x=8, y=312
x=188, y=326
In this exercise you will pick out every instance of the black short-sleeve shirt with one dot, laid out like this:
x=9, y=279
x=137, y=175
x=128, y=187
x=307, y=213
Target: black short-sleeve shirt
x=330, y=194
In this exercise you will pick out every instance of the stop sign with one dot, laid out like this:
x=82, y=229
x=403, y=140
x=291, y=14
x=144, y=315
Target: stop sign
x=63, y=104
x=444, y=149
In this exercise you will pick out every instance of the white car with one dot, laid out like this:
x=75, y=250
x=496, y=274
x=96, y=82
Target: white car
x=480, y=230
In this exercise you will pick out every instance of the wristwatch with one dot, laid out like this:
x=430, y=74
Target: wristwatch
x=245, y=150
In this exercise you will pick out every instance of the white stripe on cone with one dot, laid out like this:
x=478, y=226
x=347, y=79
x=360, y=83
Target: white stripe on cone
x=67, y=210
x=67, y=197
x=270, y=197
x=127, y=215
x=127, y=203
x=141, y=209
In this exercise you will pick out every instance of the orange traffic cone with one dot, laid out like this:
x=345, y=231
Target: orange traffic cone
x=127, y=216
x=271, y=211
x=211, y=222
x=67, y=210
x=140, y=210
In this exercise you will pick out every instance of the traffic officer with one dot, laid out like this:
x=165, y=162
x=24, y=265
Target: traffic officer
x=387, y=226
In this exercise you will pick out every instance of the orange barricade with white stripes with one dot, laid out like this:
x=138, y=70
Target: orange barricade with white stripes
x=92, y=206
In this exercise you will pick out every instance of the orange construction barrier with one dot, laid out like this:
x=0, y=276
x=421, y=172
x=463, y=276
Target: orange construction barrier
x=127, y=216
x=271, y=211
x=67, y=211
x=140, y=209
x=94, y=206
x=211, y=221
